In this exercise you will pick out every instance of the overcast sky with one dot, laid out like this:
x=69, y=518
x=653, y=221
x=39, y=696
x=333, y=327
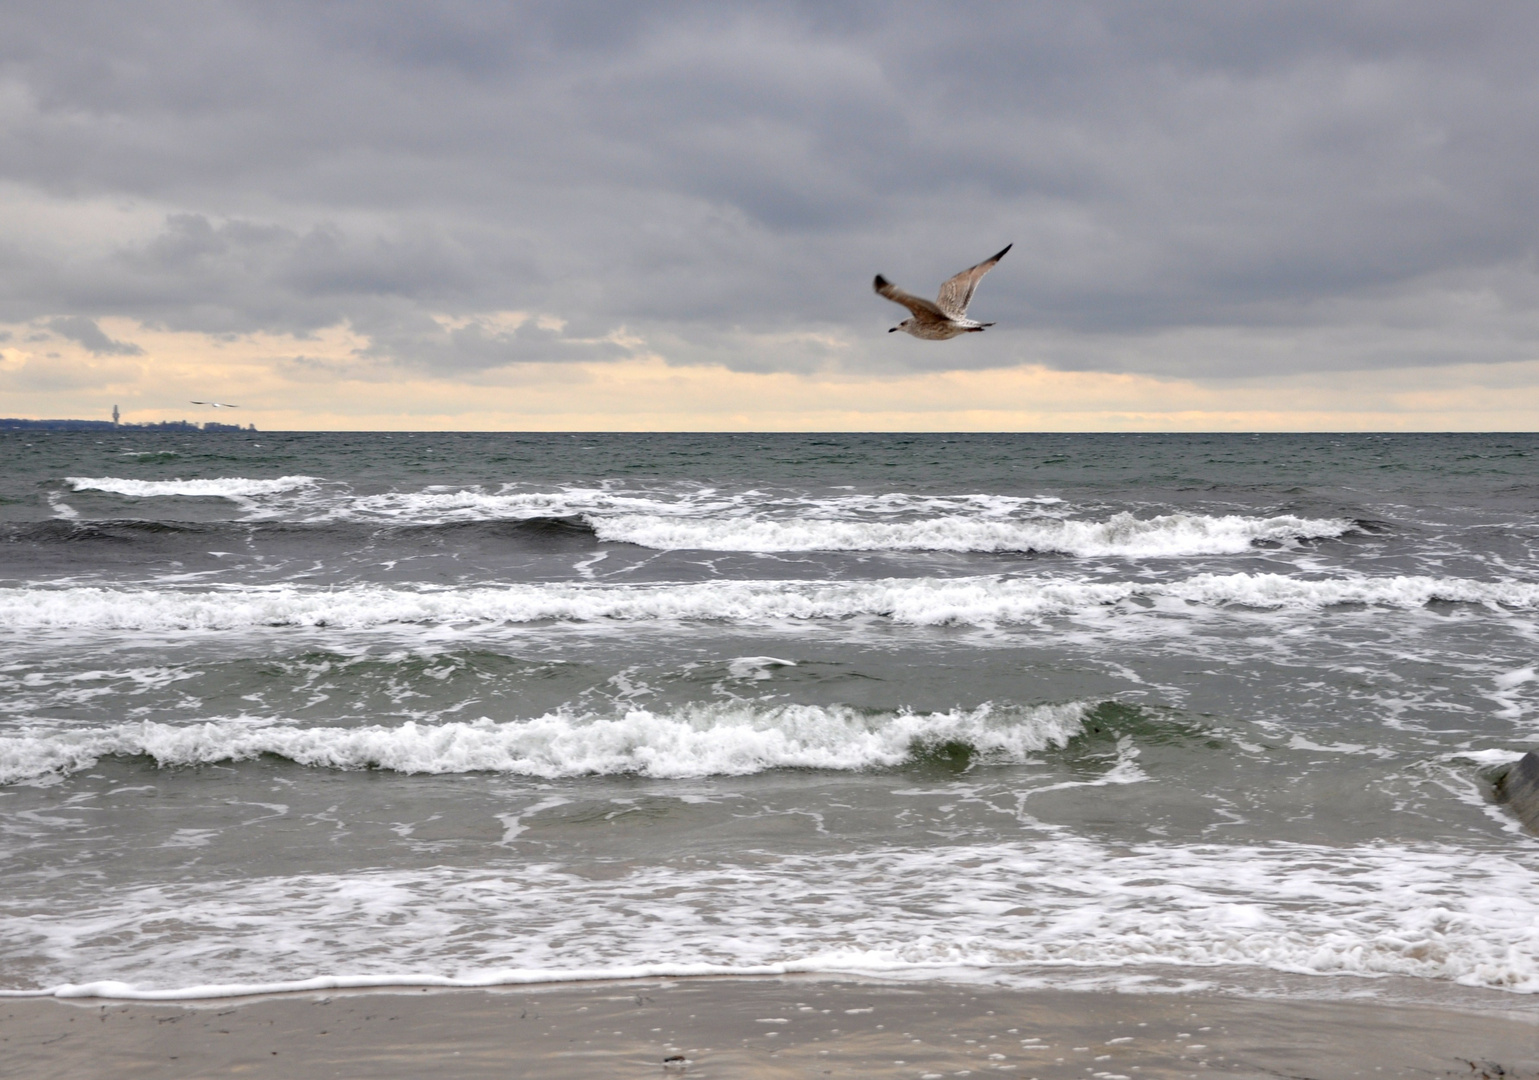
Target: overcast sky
x=487, y=214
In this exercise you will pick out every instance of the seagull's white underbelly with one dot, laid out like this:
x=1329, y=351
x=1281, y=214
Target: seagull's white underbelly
x=938, y=331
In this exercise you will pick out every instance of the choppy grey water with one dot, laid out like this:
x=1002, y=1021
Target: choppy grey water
x=1123, y=710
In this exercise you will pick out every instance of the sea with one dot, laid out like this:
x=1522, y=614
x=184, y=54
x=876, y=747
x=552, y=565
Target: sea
x=1133, y=712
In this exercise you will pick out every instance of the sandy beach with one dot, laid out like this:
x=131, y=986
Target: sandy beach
x=781, y=1027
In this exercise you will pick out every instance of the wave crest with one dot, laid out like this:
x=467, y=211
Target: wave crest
x=717, y=739
x=229, y=487
x=1166, y=536
x=707, y=519
x=971, y=601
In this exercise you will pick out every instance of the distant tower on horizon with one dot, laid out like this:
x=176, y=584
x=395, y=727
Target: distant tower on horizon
x=114, y=416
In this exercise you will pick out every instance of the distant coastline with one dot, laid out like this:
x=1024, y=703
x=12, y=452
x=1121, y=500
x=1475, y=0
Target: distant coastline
x=13, y=424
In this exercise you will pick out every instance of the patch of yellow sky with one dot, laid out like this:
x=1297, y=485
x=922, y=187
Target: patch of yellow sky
x=328, y=382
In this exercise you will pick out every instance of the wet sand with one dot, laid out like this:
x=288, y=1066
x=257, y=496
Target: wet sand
x=771, y=1028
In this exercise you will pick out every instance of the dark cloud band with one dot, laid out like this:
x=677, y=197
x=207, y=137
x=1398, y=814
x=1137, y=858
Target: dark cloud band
x=701, y=175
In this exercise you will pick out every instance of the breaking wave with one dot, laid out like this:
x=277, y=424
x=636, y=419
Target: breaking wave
x=717, y=739
x=233, y=487
x=1124, y=535
x=971, y=601
x=706, y=519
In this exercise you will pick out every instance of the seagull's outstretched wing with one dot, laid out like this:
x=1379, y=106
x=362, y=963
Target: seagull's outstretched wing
x=923, y=309
x=216, y=404
x=957, y=293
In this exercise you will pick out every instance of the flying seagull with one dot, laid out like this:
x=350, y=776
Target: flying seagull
x=216, y=404
x=946, y=317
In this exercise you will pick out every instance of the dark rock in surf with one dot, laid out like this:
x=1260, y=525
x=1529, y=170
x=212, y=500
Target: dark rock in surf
x=1517, y=786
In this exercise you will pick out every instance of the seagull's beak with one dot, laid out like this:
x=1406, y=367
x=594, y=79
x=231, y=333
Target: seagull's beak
x=894, y=330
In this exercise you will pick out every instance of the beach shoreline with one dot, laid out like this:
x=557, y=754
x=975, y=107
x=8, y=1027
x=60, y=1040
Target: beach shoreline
x=778, y=1026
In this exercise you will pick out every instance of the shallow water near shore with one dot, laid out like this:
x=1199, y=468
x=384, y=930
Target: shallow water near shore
x=1129, y=712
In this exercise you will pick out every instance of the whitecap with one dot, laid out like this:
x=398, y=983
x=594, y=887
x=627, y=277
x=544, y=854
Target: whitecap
x=1165, y=536
x=230, y=487
x=715, y=739
x=985, y=601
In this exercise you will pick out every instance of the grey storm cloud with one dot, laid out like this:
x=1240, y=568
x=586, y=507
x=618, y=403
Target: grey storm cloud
x=87, y=333
x=477, y=345
x=700, y=174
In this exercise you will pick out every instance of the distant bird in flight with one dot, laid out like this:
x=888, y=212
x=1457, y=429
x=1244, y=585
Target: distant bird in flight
x=947, y=316
x=216, y=404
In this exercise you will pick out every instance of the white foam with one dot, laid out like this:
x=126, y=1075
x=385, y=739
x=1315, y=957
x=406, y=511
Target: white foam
x=435, y=506
x=1509, y=680
x=61, y=509
x=756, y=667
x=1401, y=591
x=717, y=739
x=232, y=487
x=1487, y=757
x=1167, y=536
x=968, y=601
x=443, y=504
x=1036, y=906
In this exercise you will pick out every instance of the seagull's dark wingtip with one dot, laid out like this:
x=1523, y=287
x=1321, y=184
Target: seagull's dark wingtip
x=1001, y=255
x=880, y=283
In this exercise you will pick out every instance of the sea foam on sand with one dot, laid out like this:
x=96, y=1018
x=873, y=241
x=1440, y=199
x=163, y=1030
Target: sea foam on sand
x=1053, y=909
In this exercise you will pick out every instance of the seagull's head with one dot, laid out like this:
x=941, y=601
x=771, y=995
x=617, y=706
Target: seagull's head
x=901, y=326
